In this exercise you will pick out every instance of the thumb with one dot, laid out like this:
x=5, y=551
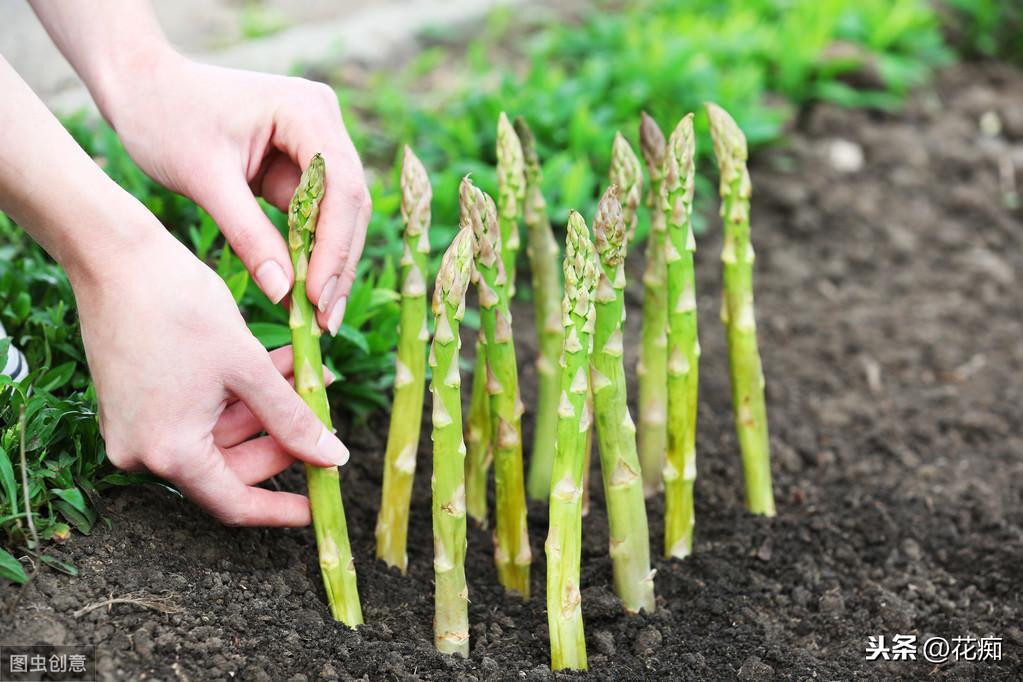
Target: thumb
x=284, y=415
x=253, y=237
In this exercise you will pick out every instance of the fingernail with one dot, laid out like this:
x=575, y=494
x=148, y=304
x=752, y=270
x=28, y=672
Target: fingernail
x=271, y=279
x=333, y=450
x=336, y=315
x=328, y=291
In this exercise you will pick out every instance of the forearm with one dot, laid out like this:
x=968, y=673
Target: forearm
x=107, y=42
x=51, y=187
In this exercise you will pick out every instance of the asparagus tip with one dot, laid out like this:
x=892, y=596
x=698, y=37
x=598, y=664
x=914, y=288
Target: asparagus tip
x=729, y=140
x=609, y=228
x=651, y=142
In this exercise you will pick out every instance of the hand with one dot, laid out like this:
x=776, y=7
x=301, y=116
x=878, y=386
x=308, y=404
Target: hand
x=222, y=137
x=182, y=383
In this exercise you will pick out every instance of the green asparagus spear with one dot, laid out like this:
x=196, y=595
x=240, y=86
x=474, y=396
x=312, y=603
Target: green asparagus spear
x=511, y=194
x=410, y=373
x=543, y=253
x=619, y=463
x=627, y=174
x=564, y=538
x=451, y=597
x=653, y=356
x=477, y=435
x=511, y=537
x=737, y=311
x=683, y=342
x=336, y=562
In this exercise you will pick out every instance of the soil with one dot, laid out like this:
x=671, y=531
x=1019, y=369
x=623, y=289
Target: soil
x=891, y=326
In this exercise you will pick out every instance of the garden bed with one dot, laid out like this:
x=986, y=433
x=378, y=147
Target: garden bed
x=891, y=326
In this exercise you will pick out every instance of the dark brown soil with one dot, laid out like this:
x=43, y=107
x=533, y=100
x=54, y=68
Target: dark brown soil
x=892, y=335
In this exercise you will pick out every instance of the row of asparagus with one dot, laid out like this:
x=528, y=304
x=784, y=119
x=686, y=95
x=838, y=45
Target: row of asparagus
x=580, y=369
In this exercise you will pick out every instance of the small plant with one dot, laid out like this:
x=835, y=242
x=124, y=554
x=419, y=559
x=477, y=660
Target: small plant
x=336, y=562
x=737, y=311
x=653, y=354
x=543, y=252
x=410, y=372
x=511, y=535
x=683, y=342
x=616, y=432
x=451, y=621
x=564, y=539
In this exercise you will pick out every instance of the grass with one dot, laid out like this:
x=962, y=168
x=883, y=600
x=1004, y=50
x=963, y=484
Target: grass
x=576, y=82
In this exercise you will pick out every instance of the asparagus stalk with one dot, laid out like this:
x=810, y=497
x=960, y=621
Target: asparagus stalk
x=336, y=562
x=511, y=537
x=410, y=371
x=564, y=539
x=616, y=432
x=683, y=343
x=543, y=253
x=451, y=596
x=511, y=194
x=737, y=311
x=653, y=356
x=477, y=435
x=626, y=173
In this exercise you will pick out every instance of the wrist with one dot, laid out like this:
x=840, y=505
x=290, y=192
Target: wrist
x=111, y=227
x=118, y=78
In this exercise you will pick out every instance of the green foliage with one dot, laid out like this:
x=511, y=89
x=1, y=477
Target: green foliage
x=578, y=84
x=988, y=28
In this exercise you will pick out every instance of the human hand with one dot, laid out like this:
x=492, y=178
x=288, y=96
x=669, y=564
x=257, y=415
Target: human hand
x=222, y=137
x=183, y=385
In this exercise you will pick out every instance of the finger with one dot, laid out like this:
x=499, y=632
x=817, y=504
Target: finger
x=257, y=460
x=230, y=202
x=340, y=235
x=237, y=423
x=207, y=480
x=279, y=180
x=283, y=414
x=349, y=272
x=303, y=132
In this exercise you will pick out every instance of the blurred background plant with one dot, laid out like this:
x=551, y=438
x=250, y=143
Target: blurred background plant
x=577, y=75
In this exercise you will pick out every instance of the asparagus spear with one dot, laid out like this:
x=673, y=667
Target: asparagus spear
x=451, y=596
x=653, y=356
x=543, y=253
x=410, y=372
x=683, y=343
x=737, y=311
x=619, y=462
x=477, y=435
x=511, y=537
x=627, y=174
x=511, y=193
x=336, y=562
x=564, y=539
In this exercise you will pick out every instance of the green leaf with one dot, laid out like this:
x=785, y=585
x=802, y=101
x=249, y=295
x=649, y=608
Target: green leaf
x=271, y=335
x=237, y=284
x=355, y=337
x=11, y=569
x=72, y=496
x=81, y=521
x=56, y=377
x=10, y=488
x=62, y=566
